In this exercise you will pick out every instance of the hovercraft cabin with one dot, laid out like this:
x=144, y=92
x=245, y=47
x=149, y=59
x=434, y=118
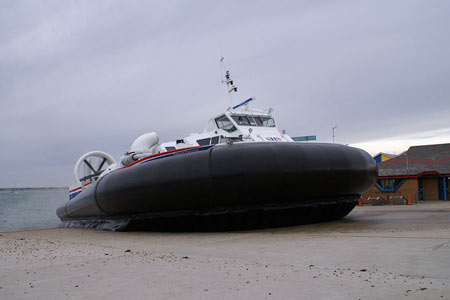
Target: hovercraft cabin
x=419, y=174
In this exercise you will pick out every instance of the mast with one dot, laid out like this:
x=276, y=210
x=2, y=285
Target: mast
x=229, y=82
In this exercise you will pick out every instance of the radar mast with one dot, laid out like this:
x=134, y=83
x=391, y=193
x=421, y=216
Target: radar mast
x=231, y=87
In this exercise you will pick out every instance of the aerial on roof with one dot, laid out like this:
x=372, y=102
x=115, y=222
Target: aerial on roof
x=417, y=161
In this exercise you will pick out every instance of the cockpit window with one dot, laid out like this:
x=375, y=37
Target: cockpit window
x=258, y=121
x=252, y=121
x=224, y=123
x=241, y=120
x=268, y=122
x=262, y=121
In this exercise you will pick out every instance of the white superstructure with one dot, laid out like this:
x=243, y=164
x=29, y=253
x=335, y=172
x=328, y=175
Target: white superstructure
x=239, y=124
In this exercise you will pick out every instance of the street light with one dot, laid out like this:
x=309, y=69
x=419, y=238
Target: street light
x=333, y=128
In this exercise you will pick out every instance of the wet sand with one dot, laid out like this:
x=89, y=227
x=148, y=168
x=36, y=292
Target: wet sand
x=388, y=252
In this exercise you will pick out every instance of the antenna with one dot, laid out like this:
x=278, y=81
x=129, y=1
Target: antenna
x=334, y=127
x=230, y=83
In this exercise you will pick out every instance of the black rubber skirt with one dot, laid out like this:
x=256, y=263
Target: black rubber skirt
x=239, y=186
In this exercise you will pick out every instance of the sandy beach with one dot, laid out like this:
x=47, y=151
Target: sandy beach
x=388, y=252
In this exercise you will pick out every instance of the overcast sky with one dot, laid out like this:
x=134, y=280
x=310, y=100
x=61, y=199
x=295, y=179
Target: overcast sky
x=77, y=76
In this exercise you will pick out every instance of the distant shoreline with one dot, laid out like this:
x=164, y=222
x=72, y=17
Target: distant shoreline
x=32, y=188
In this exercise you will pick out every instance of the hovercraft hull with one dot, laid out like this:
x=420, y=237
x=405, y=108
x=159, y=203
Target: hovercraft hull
x=222, y=187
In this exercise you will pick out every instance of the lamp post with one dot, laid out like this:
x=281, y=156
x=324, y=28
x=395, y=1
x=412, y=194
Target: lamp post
x=333, y=128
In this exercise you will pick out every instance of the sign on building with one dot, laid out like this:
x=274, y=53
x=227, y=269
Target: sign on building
x=304, y=138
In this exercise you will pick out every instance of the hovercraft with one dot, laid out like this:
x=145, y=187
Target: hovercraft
x=240, y=173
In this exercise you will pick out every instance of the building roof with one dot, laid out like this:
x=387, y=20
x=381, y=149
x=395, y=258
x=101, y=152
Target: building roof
x=418, y=161
x=386, y=154
x=383, y=157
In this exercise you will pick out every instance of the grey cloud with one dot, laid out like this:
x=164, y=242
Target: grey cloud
x=82, y=75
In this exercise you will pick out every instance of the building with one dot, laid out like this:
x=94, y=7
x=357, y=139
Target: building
x=419, y=174
x=380, y=157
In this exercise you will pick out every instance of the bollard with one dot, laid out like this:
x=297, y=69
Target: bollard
x=409, y=200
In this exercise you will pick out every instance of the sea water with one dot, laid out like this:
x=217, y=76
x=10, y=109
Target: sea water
x=30, y=208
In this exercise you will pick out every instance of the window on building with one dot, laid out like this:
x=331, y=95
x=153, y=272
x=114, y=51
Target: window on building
x=389, y=185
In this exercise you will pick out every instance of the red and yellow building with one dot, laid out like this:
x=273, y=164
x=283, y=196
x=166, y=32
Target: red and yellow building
x=419, y=174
